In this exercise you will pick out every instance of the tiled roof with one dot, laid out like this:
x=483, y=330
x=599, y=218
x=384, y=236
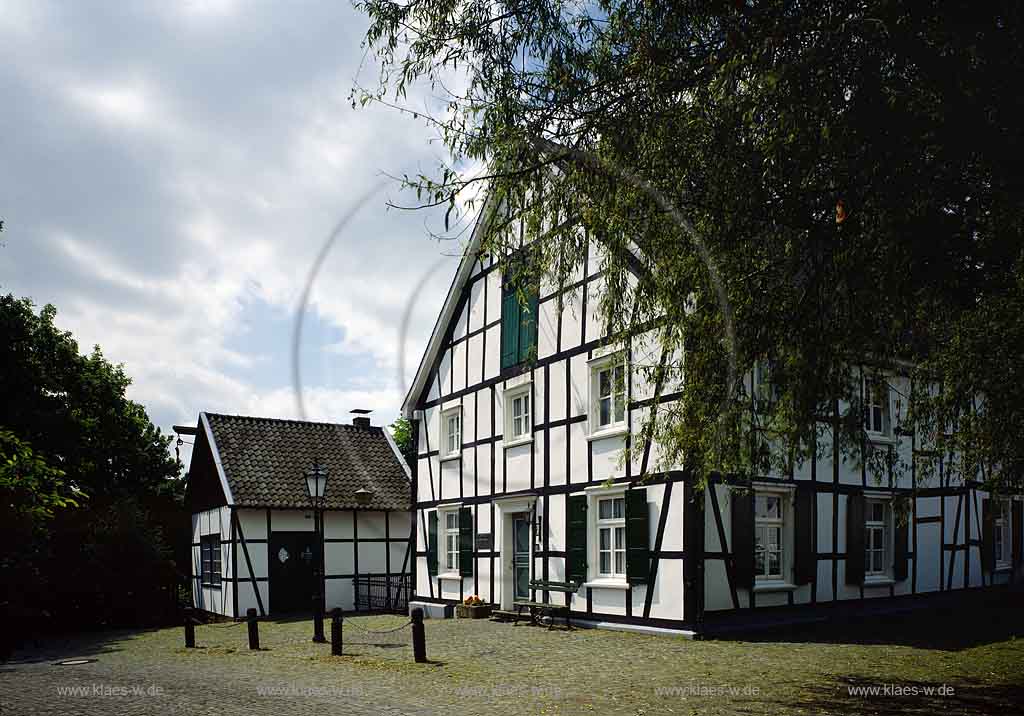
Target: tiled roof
x=265, y=461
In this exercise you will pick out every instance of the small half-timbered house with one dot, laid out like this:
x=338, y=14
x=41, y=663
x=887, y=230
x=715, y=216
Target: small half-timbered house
x=253, y=538
x=522, y=410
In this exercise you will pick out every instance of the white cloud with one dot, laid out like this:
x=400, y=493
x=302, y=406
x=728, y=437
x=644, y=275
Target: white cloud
x=170, y=200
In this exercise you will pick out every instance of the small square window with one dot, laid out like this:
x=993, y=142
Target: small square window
x=451, y=432
x=518, y=414
x=609, y=392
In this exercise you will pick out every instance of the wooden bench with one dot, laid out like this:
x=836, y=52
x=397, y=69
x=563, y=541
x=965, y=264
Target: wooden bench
x=539, y=610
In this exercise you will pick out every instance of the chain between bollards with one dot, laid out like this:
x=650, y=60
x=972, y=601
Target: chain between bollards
x=336, y=617
x=419, y=643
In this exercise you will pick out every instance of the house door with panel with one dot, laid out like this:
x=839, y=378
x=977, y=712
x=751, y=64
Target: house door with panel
x=291, y=571
x=521, y=557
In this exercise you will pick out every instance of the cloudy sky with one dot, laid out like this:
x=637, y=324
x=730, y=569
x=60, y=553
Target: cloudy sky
x=169, y=172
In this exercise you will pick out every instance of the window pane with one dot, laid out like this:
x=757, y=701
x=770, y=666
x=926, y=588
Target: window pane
x=774, y=538
x=604, y=509
x=767, y=506
x=620, y=563
x=620, y=409
x=606, y=563
x=773, y=563
x=451, y=521
x=620, y=538
x=526, y=409
x=605, y=411
x=517, y=427
x=604, y=379
x=606, y=538
x=619, y=510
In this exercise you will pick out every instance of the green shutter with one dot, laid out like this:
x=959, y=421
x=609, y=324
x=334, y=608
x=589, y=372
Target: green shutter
x=465, y=541
x=528, y=327
x=742, y=529
x=988, y=536
x=509, y=328
x=432, y=544
x=901, y=556
x=805, y=564
x=638, y=553
x=576, y=538
x=855, y=539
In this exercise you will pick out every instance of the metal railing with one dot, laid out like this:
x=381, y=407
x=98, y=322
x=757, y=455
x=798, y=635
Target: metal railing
x=382, y=593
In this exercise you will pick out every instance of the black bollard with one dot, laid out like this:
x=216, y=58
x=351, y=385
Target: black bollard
x=336, y=632
x=190, y=629
x=318, y=620
x=419, y=638
x=254, y=629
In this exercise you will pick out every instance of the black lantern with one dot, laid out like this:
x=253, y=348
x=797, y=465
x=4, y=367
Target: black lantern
x=316, y=489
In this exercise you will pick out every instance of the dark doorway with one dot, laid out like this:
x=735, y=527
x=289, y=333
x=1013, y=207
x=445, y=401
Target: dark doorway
x=291, y=572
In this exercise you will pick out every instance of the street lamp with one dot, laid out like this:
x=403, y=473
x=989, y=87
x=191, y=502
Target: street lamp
x=316, y=488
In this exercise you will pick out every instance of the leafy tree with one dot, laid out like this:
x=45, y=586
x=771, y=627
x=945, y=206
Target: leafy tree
x=401, y=431
x=29, y=487
x=89, y=487
x=823, y=186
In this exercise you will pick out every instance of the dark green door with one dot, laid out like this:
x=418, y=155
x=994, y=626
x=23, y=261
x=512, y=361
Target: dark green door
x=291, y=572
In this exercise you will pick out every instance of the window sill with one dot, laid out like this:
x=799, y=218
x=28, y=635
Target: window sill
x=603, y=433
x=607, y=584
x=1003, y=567
x=450, y=575
x=526, y=440
x=774, y=586
x=449, y=458
x=879, y=581
x=880, y=439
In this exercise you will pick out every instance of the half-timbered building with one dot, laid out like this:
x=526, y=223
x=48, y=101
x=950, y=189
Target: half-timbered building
x=253, y=538
x=522, y=409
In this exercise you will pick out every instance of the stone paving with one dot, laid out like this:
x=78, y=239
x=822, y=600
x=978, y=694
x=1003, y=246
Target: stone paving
x=480, y=667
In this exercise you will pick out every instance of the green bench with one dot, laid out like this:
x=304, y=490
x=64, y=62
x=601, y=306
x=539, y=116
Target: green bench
x=539, y=610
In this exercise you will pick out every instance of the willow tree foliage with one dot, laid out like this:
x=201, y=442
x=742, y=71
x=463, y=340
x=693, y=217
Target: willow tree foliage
x=825, y=186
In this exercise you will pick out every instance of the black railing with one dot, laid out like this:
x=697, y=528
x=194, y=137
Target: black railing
x=382, y=593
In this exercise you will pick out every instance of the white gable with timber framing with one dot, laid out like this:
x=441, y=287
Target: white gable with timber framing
x=520, y=478
x=253, y=538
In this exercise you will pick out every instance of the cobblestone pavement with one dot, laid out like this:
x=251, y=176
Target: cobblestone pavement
x=479, y=667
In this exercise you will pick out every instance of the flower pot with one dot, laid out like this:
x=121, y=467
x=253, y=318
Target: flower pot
x=478, y=611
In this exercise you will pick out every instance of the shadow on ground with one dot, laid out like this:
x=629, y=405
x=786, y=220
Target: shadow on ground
x=974, y=620
x=857, y=696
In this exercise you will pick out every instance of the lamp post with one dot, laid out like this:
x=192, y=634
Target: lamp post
x=316, y=488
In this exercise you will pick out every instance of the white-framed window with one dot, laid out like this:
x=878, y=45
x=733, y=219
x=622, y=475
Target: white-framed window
x=451, y=540
x=518, y=414
x=611, y=537
x=1002, y=536
x=769, y=535
x=451, y=432
x=609, y=391
x=878, y=537
x=876, y=407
